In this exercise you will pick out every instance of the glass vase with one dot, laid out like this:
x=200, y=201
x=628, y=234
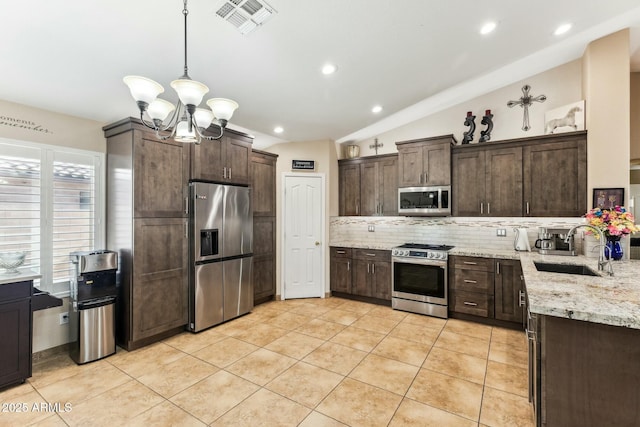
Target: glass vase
x=613, y=248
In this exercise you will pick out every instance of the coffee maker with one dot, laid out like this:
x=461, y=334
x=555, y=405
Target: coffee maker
x=552, y=241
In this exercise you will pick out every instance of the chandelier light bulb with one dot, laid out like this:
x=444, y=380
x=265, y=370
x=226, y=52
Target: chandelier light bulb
x=159, y=109
x=143, y=89
x=488, y=28
x=203, y=117
x=222, y=108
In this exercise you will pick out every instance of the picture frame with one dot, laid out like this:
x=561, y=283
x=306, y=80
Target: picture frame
x=608, y=198
x=568, y=118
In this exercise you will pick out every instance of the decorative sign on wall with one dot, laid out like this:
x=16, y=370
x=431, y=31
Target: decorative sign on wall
x=303, y=164
x=22, y=124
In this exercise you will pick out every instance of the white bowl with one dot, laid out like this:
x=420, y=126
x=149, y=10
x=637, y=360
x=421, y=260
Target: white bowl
x=11, y=261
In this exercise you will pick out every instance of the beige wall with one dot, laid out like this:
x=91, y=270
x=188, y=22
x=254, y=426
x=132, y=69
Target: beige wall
x=32, y=124
x=635, y=117
x=324, y=154
x=606, y=86
x=561, y=85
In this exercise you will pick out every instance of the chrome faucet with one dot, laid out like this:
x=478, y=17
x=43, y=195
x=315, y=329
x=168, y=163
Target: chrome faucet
x=601, y=256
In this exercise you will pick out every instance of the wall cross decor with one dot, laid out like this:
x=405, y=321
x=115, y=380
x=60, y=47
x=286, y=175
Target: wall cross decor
x=525, y=102
x=376, y=146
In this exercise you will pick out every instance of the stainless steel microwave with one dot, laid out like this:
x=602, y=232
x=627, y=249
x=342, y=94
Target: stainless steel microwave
x=425, y=201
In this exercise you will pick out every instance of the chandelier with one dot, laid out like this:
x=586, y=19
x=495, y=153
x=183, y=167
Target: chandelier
x=187, y=121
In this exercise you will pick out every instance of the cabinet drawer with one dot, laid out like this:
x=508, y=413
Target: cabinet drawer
x=337, y=252
x=472, y=263
x=473, y=280
x=372, y=255
x=15, y=290
x=475, y=303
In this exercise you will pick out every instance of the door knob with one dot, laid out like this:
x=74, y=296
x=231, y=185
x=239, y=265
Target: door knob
x=317, y=243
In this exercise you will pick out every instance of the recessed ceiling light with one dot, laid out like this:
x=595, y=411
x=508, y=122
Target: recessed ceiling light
x=329, y=69
x=562, y=29
x=376, y=109
x=487, y=28
x=278, y=129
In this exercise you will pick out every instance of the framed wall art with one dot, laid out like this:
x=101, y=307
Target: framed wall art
x=608, y=198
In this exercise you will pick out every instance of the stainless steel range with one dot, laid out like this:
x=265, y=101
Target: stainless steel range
x=419, y=278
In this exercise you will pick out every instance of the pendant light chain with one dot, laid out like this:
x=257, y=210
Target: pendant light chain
x=185, y=12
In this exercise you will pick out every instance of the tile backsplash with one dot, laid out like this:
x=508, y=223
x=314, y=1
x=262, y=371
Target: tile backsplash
x=458, y=231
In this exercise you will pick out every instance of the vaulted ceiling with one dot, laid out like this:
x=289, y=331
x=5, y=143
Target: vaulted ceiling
x=70, y=56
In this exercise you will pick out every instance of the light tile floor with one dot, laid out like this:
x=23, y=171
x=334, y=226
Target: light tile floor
x=307, y=362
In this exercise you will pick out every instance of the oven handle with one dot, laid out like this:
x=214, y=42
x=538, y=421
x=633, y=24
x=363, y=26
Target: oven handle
x=436, y=263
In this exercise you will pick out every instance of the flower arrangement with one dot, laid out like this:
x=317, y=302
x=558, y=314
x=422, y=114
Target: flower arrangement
x=613, y=222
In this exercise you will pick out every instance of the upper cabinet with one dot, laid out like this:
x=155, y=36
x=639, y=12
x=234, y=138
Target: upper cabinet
x=538, y=176
x=369, y=186
x=425, y=162
x=225, y=160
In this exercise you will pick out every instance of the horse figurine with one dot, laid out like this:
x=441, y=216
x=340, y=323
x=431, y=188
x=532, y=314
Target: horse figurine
x=568, y=120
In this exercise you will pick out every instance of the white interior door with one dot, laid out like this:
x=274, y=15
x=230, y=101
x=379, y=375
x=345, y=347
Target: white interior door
x=303, y=258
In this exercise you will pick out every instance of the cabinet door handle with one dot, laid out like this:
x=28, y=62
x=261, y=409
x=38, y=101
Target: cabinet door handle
x=527, y=208
x=348, y=265
x=470, y=281
x=472, y=304
x=186, y=205
x=224, y=172
x=368, y=267
x=469, y=263
x=381, y=209
x=521, y=301
x=357, y=209
x=186, y=230
x=426, y=177
x=341, y=252
x=481, y=208
x=488, y=208
x=370, y=254
x=373, y=269
x=229, y=173
x=497, y=268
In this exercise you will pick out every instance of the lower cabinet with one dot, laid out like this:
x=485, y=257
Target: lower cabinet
x=486, y=287
x=15, y=332
x=361, y=272
x=341, y=270
x=264, y=255
x=509, y=291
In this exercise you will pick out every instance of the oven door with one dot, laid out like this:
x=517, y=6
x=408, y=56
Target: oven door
x=420, y=280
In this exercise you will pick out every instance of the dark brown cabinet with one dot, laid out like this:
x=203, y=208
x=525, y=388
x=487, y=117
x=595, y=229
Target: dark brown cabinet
x=487, y=182
x=225, y=160
x=372, y=273
x=537, y=176
x=555, y=176
x=147, y=224
x=159, y=297
x=369, y=186
x=15, y=332
x=341, y=269
x=486, y=287
x=471, y=285
x=263, y=193
x=425, y=162
x=509, y=291
x=588, y=373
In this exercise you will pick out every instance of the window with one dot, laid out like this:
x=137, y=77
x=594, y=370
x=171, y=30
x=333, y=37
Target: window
x=52, y=205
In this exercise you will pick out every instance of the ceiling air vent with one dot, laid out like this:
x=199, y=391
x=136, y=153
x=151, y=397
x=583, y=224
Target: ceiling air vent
x=245, y=15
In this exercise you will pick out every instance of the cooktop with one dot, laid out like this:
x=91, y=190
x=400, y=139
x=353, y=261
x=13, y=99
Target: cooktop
x=425, y=246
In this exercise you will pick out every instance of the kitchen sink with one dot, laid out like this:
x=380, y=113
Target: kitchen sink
x=582, y=270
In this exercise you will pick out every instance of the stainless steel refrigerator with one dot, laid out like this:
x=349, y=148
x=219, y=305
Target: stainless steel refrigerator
x=221, y=230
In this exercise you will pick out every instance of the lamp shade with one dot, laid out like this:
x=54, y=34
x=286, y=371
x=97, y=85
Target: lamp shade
x=159, y=109
x=203, y=117
x=182, y=132
x=142, y=88
x=189, y=91
x=222, y=108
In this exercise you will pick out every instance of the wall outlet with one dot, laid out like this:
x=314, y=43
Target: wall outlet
x=501, y=232
x=64, y=318
x=371, y=228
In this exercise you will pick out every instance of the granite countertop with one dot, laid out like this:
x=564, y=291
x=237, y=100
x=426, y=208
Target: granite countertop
x=18, y=277
x=599, y=299
x=611, y=300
